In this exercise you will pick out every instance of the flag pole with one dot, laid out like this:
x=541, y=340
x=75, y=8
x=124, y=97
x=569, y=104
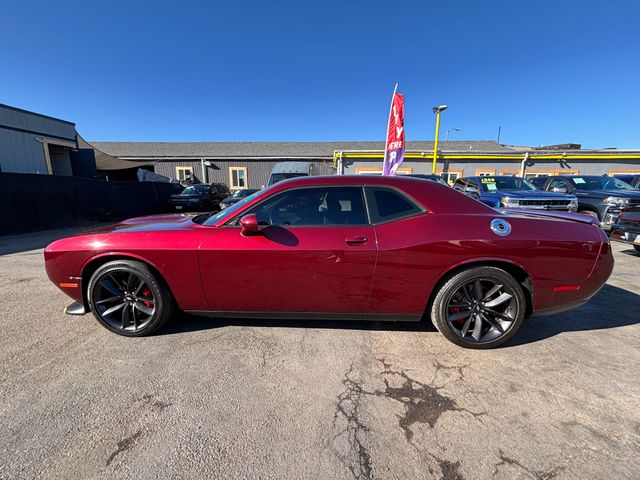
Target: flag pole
x=386, y=133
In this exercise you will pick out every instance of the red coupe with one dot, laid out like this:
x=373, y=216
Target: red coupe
x=339, y=247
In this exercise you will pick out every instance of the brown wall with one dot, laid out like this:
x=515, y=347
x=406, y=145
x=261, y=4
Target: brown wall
x=258, y=171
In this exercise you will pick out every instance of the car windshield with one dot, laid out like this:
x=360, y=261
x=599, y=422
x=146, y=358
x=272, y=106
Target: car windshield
x=433, y=178
x=211, y=219
x=196, y=189
x=242, y=193
x=490, y=184
x=600, y=183
x=278, y=177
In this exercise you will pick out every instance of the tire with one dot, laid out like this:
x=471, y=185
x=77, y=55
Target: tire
x=127, y=298
x=637, y=247
x=500, y=313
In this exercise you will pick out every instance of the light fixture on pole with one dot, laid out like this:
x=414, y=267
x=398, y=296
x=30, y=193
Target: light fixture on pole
x=437, y=110
x=446, y=137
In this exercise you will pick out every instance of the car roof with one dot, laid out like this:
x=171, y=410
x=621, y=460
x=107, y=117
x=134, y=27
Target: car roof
x=291, y=167
x=433, y=195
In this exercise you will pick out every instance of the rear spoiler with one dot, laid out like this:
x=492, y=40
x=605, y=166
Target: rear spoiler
x=573, y=217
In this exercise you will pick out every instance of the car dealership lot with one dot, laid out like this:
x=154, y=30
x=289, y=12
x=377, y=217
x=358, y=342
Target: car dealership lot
x=248, y=399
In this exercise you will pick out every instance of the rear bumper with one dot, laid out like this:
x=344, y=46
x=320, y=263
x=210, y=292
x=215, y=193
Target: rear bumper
x=559, y=309
x=553, y=298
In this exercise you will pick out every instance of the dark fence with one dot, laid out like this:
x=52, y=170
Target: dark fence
x=38, y=202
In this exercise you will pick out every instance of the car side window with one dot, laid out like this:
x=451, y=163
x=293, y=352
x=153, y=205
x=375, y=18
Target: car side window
x=471, y=187
x=387, y=204
x=558, y=183
x=315, y=206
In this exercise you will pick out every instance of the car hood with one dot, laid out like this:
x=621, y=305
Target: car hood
x=609, y=193
x=151, y=223
x=183, y=195
x=531, y=194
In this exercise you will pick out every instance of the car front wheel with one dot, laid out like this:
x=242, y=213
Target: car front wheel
x=129, y=299
x=479, y=308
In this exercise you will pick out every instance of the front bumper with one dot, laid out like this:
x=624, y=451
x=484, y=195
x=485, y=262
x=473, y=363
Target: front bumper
x=609, y=218
x=625, y=234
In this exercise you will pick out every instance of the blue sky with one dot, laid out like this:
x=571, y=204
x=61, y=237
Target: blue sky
x=547, y=72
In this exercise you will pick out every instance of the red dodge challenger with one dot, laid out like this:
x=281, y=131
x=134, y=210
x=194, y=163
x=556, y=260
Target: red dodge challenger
x=339, y=247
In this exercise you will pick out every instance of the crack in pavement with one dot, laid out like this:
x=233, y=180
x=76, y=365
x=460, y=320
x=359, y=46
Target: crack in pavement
x=537, y=474
x=357, y=459
x=423, y=403
x=449, y=469
x=124, y=445
x=128, y=442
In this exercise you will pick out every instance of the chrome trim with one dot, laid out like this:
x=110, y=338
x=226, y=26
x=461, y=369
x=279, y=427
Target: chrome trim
x=500, y=227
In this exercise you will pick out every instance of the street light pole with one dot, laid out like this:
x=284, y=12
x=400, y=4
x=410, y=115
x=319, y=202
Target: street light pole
x=446, y=137
x=437, y=111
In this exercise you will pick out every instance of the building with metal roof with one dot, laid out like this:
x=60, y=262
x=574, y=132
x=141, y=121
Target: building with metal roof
x=253, y=161
x=35, y=143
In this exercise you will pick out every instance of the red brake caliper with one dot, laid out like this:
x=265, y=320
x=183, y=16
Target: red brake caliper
x=146, y=292
x=456, y=310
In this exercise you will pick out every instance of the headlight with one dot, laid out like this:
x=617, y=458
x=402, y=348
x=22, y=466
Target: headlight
x=616, y=201
x=573, y=203
x=509, y=202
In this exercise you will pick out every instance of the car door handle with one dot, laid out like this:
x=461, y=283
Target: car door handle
x=356, y=240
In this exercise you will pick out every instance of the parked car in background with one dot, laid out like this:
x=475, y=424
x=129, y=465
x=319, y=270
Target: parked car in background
x=200, y=197
x=599, y=196
x=514, y=192
x=627, y=227
x=237, y=196
x=433, y=177
x=339, y=247
x=633, y=180
x=284, y=170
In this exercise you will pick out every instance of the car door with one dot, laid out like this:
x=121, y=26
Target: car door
x=402, y=275
x=315, y=253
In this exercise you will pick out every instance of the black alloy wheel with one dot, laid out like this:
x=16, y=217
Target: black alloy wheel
x=479, y=308
x=127, y=298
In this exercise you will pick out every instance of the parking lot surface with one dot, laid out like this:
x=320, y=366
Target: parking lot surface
x=248, y=399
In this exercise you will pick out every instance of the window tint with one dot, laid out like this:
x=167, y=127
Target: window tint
x=387, y=204
x=558, y=183
x=314, y=206
x=538, y=181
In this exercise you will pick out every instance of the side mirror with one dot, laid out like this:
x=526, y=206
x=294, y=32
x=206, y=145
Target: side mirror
x=249, y=223
x=471, y=190
x=560, y=189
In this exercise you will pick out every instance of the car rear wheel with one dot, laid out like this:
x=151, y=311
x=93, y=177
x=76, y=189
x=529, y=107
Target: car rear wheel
x=129, y=299
x=479, y=308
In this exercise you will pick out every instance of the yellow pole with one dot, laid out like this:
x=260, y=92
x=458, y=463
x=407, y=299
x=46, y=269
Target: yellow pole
x=435, y=144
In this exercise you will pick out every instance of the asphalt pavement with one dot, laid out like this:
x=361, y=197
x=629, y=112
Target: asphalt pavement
x=325, y=400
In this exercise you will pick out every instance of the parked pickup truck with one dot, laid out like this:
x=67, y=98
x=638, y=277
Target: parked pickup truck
x=514, y=192
x=627, y=227
x=631, y=179
x=599, y=196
